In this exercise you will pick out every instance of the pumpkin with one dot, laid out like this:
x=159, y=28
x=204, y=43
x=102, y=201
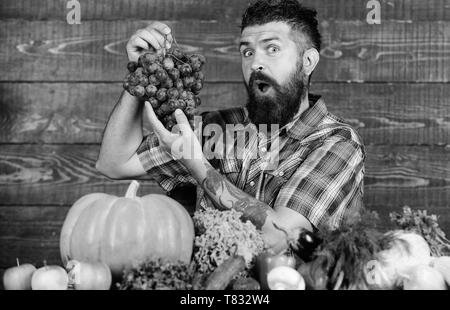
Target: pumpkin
x=124, y=231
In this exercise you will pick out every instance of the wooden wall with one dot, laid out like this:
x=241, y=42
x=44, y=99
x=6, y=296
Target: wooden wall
x=59, y=82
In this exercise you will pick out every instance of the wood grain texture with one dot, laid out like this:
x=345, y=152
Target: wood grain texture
x=60, y=174
x=77, y=112
x=55, y=175
x=230, y=10
x=30, y=234
x=403, y=175
x=95, y=50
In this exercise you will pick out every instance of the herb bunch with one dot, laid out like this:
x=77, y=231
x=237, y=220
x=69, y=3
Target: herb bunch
x=425, y=225
x=345, y=251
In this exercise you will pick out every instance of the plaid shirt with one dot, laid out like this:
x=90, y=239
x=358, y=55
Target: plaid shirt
x=319, y=173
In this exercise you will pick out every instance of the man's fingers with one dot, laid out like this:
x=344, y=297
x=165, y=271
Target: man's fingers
x=161, y=27
x=165, y=31
x=150, y=38
x=137, y=42
x=182, y=120
x=157, y=126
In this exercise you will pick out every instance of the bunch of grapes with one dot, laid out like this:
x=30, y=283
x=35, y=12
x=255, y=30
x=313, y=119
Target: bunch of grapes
x=168, y=82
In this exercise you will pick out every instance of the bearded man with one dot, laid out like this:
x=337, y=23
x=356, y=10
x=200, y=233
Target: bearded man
x=318, y=176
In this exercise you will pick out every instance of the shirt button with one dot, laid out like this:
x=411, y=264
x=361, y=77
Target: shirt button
x=281, y=173
x=252, y=183
x=263, y=149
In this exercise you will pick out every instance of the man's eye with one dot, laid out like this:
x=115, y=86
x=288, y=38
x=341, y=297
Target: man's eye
x=247, y=53
x=273, y=49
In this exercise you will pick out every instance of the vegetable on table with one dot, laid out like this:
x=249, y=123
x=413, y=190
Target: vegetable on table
x=122, y=231
x=246, y=284
x=221, y=235
x=159, y=275
x=423, y=277
x=420, y=222
x=285, y=278
x=18, y=277
x=222, y=276
x=89, y=275
x=442, y=264
x=266, y=261
x=403, y=251
x=50, y=278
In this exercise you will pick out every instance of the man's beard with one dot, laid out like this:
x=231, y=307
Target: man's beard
x=279, y=107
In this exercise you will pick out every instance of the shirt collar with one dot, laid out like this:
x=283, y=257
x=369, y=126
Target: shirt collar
x=308, y=121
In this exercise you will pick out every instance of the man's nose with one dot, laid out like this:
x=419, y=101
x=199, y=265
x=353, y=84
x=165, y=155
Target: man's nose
x=257, y=64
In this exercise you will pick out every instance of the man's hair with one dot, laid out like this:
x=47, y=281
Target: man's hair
x=292, y=12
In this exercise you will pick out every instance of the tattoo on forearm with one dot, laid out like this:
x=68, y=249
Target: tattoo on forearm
x=228, y=196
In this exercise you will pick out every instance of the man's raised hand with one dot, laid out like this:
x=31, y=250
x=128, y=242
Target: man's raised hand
x=156, y=36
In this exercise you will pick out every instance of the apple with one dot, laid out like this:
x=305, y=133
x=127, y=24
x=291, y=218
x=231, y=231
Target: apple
x=18, y=277
x=89, y=275
x=50, y=278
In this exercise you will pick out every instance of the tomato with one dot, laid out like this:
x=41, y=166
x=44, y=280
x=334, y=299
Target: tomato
x=265, y=262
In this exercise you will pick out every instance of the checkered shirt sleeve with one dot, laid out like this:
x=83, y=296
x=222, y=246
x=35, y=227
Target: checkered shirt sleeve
x=168, y=172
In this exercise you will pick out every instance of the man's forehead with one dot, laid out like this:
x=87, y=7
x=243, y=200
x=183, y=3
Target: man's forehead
x=280, y=30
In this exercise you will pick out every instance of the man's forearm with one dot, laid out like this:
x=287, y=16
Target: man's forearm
x=226, y=195
x=123, y=132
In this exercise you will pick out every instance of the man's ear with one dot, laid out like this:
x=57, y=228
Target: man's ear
x=310, y=60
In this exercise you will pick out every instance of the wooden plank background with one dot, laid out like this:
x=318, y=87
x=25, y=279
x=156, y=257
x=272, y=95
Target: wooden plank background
x=59, y=82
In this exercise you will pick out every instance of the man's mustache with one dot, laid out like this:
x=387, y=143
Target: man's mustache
x=258, y=75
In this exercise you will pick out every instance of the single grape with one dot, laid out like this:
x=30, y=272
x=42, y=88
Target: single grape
x=161, y=75
x=183, y=95
x=138, y=91
x=143, y=80
x=190, y=95
x=185, y=70
x=179, y=84
x=168, y=63
x=154, y=103
x=151, y=90
x=161, y=94
x=181, y=104
x=190, y=103
x=189, y=111
x=199, y=76
x=197, y=86
x=173, y=93
x=132, y=66
x=196, y=65
x=153, y=80
x=165, y=109
x=173, y=104
x=167, y=83
x=147, y=58
x=188, y=81
x=174, y=73
x=133, y=79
